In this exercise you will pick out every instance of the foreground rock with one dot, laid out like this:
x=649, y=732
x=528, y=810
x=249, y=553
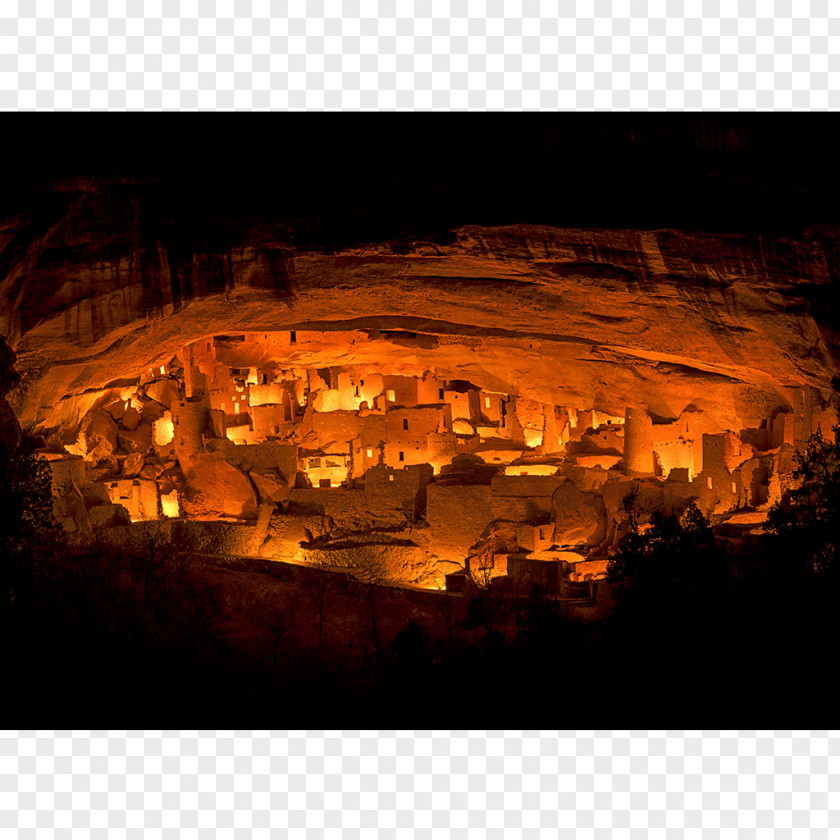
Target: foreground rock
x=98, y=437
x=219, y=490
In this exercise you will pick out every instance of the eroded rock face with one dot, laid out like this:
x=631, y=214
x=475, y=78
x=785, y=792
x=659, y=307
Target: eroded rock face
x=579, y=518
x=98, y=437
x=237, y=370
x=162, y=391
x=734, y=325
x=270, y=486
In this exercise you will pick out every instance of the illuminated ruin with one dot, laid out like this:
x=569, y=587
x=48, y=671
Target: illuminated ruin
x=327, y=446
x=415, y=368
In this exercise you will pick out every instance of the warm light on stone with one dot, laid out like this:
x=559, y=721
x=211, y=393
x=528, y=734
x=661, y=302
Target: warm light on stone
x=497, y=392
x=361, y=438
x=164, y=430
x=170, y=505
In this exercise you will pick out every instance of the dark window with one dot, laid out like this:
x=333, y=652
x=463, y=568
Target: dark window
x=440, y=393
x=405, y=424
x=402, y=456
x=292, y=337
x=265, y=379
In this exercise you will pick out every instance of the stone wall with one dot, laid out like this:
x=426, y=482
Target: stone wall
x=528, y=571
x=400, y=490
x=137, y=496
x=260, y=456
x=638, y=442
x=336, y=426
x=270, y=420
x=348, y=508
x=523, y=498
x=458, y=516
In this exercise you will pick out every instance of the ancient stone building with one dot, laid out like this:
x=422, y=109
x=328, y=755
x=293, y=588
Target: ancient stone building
x=511, y=380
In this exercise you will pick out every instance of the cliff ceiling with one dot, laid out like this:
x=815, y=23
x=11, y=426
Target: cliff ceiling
x=104, y=274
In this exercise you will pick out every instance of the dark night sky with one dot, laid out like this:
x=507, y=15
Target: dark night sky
x=419, y=174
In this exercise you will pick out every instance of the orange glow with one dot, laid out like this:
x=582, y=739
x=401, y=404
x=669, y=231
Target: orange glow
x=170, y=504
x=164, y=430
x=322, y=415
x=533, y=438
x=531, y=469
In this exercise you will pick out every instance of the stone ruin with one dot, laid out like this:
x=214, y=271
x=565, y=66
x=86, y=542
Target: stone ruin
x=418, y=405
x=397, y=470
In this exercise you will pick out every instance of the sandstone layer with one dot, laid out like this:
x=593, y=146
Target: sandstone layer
x=736, y=326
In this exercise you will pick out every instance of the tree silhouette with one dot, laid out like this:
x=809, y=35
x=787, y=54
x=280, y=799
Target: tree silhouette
x=672, y=567
x=803, y=526
x=28, y=530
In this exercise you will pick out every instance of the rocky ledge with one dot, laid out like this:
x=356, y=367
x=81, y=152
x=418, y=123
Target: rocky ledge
x=737, y=325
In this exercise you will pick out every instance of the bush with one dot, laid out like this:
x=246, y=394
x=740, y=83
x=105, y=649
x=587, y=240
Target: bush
x=803, y=526
x=28, y=530
x=673, y=567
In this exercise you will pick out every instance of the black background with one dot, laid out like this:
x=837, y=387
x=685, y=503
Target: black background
x=380, y=176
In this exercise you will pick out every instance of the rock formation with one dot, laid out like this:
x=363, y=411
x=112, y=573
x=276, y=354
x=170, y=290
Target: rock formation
x=578, y=517
x=526, y=340
x=604, y=319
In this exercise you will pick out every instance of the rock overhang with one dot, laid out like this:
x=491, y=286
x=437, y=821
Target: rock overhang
x=104, y=274
x=656, y=319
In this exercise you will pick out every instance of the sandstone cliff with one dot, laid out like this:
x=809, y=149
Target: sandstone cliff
x=97, y=281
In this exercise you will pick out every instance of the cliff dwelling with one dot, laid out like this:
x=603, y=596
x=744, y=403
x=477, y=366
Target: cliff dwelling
x=440, y=452
x=442, y=399
x=418, y=423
